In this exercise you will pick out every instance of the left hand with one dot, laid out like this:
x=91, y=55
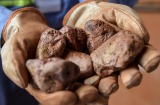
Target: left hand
x=126, y=19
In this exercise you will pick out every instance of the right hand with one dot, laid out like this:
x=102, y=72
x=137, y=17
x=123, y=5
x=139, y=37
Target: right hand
x=57, y=98
x=87, y=95
x=21, y=34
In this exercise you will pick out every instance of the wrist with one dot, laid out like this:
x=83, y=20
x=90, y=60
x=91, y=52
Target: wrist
x=4, y=14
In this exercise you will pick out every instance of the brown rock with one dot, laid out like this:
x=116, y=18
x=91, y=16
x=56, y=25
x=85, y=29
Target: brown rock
x=53, y=74
x=82, y=60
x=52, y=44
x=76, y=37
x=116, y=53
x=98, y=32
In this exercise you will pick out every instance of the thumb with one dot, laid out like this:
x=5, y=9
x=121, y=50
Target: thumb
x=57, y=98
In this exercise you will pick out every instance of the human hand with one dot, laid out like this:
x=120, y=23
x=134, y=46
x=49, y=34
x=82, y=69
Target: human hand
x=25, y=55
x=22, y=34
x=57, y=98
x=124, y=18
x=79, y=94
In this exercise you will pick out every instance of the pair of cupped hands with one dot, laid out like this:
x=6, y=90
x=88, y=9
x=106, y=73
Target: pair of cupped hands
x=22, y=34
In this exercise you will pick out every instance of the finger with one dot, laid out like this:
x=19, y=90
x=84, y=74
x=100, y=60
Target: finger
x=108, y=85
x=149, y=58
x=87, y=93
x=10, y=69
x=100, y=100
x=93, y=80
x=131, y=76
x=57, y=98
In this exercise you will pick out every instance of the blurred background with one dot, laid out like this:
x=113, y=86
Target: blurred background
x=148, y=93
